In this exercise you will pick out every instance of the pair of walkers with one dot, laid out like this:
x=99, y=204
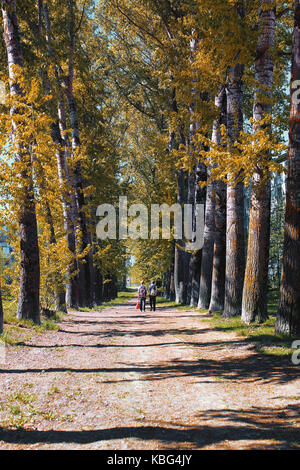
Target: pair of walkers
x=142, y=294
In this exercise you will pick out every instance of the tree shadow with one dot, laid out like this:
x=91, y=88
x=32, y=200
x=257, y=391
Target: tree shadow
x=259, y=428
x=255, y=369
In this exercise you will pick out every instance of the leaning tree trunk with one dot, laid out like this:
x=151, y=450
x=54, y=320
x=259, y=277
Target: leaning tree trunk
x=219, y=253
x=29, y=294
x=235, y=238
x=254, y=306
x=288, y=316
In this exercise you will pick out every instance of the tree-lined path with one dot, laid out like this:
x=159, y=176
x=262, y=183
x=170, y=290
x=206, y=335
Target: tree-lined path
x=119, y=379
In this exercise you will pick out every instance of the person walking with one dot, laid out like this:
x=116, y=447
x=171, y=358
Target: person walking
x=152, y=295
x=142, y=296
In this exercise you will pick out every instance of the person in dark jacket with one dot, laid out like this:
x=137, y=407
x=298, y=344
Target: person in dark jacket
x=152, y=295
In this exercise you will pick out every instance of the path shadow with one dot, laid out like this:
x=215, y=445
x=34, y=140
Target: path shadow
x=137, y=332
x=255, y=369
x=265, y=428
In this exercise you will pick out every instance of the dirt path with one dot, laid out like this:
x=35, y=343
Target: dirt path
x=118, y=379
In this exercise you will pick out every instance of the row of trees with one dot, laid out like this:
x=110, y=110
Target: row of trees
x=163, y=101
x=56, y=155
x=209, y=80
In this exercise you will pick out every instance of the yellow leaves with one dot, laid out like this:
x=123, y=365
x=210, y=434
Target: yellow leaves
x=267, y=5
x=239, y=160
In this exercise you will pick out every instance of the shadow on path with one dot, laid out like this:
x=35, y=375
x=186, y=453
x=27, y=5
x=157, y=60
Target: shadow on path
x=242, y=426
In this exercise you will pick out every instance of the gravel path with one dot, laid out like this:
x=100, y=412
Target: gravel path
x=119, y=379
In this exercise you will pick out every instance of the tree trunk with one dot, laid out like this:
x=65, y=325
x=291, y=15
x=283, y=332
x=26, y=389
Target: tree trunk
x=181, y=263
x=219, y=254
x=235, y=241
x=60, y=293
x=208, y=249
x=288, y=316
x=196, y=258
x=200, y=176
x=60, y=140
x=85, y=267
x=29, y=294
x=1, y=312
x=254, y=307
x=98, y=286
x=72, y=298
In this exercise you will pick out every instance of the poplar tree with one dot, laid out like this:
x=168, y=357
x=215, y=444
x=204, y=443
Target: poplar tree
x=254, y=306
x=28, y=304
x=288, y=316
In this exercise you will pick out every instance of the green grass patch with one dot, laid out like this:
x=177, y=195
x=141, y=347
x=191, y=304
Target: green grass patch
x=262, y=335
x=17, y=332
x=171, y=304
x=122, y=298
x=165, y=302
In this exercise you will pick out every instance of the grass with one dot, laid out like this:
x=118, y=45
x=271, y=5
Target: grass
x=166, y=303
x=122, y=298
x=16, y=332
x=24, y=398
x=262, y=335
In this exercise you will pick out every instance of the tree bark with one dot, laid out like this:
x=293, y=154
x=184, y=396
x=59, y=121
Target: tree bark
x=181, y=261
x=196, y=257
x=219, y=254
x=61, y=143
x=85, y=267
x=29, y=294
x=254, y=307
x=288, y=316
x=198, y=193
x=235, y=238
x=208, y=249
x=1, y=312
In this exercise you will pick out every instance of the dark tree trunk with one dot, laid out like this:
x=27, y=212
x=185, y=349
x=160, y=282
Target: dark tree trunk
x=219, y=254
x=29, y=294
x=1, y=312
x=196, y=257
x=98, y=286
x=181, y=263
x=208, y=249
x=288, y=316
